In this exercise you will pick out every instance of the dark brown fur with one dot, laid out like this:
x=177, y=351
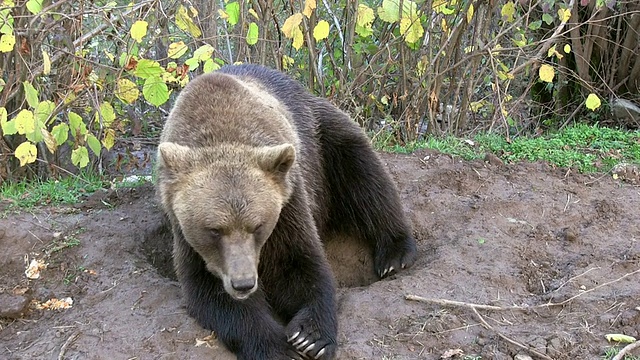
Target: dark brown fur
x=253, y=171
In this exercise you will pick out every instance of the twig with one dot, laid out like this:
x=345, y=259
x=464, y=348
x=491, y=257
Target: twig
x=66, y=344
x=627, y=349
x=514, y=307
x=509, y=340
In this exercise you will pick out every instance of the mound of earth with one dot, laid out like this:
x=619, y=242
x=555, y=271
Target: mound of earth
x=552, y=257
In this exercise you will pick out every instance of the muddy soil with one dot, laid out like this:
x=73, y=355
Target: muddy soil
x=555, y=252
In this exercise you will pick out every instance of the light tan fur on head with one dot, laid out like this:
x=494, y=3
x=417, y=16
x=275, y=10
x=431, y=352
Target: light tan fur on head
x=227, y=200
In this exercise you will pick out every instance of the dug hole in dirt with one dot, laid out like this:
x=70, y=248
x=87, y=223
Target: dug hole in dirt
x=554, y=253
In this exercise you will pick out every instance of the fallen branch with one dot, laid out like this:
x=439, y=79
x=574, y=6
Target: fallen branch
x=446, y=302
x=509, y=340
x=626, y=350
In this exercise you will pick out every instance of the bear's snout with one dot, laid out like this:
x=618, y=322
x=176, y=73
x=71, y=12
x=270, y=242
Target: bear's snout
x=243, y=285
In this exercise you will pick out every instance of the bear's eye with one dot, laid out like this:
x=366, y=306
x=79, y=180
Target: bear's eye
x=215, y=233
x=256, y=228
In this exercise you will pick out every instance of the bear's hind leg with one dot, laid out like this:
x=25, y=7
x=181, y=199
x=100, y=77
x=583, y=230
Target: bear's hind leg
x=362, y=199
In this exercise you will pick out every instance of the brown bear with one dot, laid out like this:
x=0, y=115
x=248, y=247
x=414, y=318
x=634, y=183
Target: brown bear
x=253, y=171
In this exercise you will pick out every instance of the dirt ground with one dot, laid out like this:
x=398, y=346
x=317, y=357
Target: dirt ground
x=556, y=252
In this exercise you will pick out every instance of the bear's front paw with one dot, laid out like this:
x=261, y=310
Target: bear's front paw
x=304, y=334
x=393, y=257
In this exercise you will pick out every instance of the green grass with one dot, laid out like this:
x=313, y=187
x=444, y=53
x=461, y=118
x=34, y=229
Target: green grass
x=588, y=148
x=611, y=352
x=67, y=190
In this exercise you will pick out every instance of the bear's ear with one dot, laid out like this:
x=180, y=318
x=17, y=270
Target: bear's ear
x=174, y=156
x=276, y=159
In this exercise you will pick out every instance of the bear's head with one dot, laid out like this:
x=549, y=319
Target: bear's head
x=227, y=200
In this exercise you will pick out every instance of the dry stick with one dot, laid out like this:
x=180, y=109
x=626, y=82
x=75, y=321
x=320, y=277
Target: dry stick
x=627, y=349
x=509, y=340
x=515, y=307
x=66, y=344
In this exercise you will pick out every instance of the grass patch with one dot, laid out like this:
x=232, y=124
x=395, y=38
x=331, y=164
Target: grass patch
x=588, y=148
x=67, y=190
x=611, y=352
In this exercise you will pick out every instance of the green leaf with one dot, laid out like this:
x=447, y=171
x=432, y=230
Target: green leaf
x=155, y=91
x=364, y=20
x=34, y=6
x=411, y=29
x=80, y=157
x=252, y=34
x=389, y=11
x=76, y=125
x=31, y=94
x=60, y=132
x=233, y=10
x=108, y=115
x=6, y=21
x=148, y=68
x=192, y=63
x=26, y=153
x=203, y=53
x=8, y=127
x=94, y=144
x=44, y=110
x=139, y=30
x=36, y=135
x=548, y=19
x=535, y=25
x=210, y=66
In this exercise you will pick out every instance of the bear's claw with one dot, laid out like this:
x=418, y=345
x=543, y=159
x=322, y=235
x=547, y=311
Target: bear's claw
x=309, y=343
x=392, y=258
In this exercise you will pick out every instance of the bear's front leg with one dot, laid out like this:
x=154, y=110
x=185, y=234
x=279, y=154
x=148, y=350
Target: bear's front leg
x=302, y=292
x=246, y=327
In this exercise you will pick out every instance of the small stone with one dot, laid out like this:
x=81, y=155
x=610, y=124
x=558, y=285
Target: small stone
x=570, y=234
x=13, y=306
x=493, y=159
x=522, y=357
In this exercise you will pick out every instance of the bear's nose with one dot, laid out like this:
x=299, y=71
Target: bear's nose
x=243, y=285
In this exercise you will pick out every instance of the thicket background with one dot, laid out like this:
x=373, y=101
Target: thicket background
x=78, y=77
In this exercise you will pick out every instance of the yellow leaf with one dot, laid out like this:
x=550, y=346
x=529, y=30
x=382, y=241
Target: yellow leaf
x=364, y=20
x=139, y=30
x=567, y=49
x=127, y=91
x=46, y=63
x=470, y=14
x=443, y=25
x=620, y=338
x=508, y=10
x=254, y=14
x=177, y=49
x=185, y=23
x=321, y=31
x=564, y=15
x=593, y=102
x=6, y=42
x=546, y=73
x=287, y=62
x=309, y=6
x=25, y=122
x=615, y=176
x=49, y=140
x=552, y=51
x=298, y=38
x=223, y=14
x=292, y=23
x=26, y=153
x=109, y=139
x=412, y=29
